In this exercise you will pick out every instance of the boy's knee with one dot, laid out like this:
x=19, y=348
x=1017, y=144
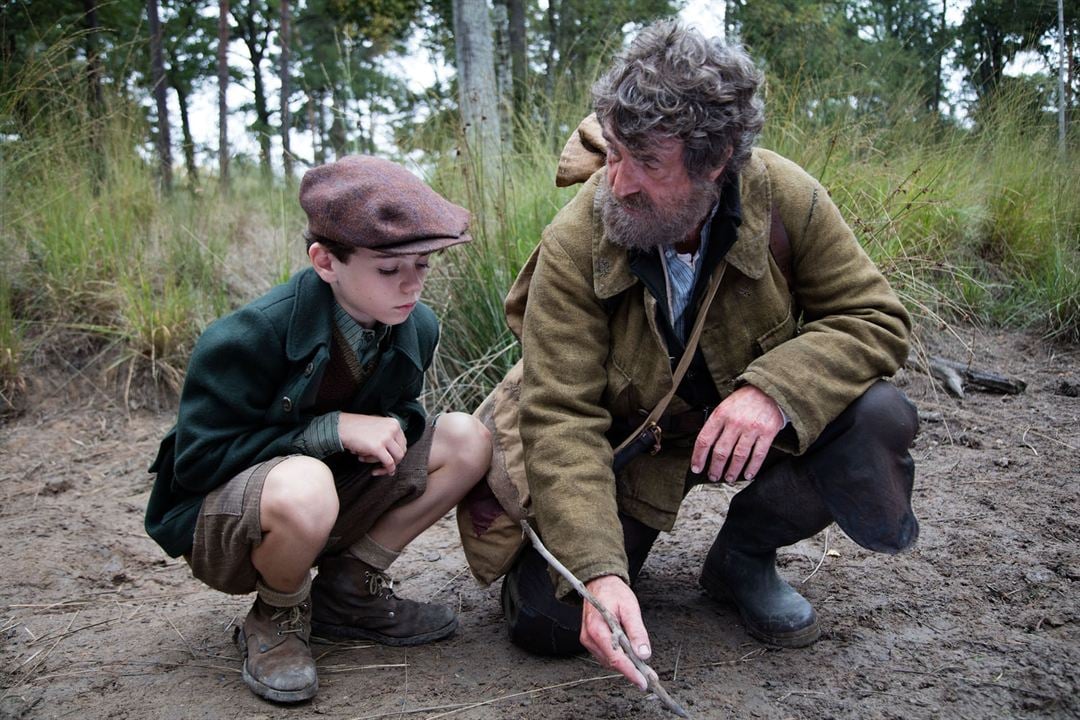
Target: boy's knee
x=299, y=492
x=462, y=438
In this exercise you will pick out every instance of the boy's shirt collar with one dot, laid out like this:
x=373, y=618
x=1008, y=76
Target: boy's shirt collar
x=364, y=342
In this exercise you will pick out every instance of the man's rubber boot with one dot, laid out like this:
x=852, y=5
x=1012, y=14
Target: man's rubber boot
x=351, y=600
x=772, y=610
x=778, y=508
x=275, y=645
x=535, y=620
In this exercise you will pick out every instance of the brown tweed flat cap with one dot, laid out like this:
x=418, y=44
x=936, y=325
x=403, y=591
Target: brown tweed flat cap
x=373, y=203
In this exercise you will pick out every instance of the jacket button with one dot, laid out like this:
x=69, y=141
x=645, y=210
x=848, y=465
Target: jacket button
x=286, y=404
x=309, y=369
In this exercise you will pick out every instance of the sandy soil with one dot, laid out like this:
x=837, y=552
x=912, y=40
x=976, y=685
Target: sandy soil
x=981, y=620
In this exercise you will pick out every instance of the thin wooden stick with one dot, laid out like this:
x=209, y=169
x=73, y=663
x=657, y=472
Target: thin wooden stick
x=652, y=681
x=824, y=552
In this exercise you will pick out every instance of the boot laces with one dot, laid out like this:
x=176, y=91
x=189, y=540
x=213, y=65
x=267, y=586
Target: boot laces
x=379, y=583
x=290, y=619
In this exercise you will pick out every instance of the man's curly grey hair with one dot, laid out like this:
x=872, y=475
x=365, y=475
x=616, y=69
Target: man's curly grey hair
x=673, y=82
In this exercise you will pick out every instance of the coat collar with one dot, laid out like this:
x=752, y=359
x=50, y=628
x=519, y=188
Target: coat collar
x=312, y=320
x=749, y=255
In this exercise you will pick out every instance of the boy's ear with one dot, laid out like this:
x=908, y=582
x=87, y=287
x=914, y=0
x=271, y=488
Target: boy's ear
x=322, y=261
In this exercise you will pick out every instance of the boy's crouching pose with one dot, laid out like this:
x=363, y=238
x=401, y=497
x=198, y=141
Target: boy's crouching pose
x=300, y=440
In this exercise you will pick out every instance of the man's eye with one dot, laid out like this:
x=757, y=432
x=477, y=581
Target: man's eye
x=423, y=266
x=388, y=271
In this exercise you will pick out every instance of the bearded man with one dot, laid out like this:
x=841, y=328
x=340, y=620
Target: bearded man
x=785, y=392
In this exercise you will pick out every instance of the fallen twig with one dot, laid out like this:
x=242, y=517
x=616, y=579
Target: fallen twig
x=824, y=552
x=955, y=375
x=454, y=708
x=651, y=679
x=1051, y=439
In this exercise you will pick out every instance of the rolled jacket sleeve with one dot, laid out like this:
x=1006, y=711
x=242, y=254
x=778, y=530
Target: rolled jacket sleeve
x=854, y=328
x=321, y=437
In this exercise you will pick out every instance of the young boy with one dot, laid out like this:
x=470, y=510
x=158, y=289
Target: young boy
x=300, y=440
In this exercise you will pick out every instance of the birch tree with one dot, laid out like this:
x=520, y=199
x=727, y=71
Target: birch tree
x=477, y=92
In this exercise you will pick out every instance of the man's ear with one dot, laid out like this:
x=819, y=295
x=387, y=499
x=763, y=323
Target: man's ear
x=718, y=171
x=323, y=262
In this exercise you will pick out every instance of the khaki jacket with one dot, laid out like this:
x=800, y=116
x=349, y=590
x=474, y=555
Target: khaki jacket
x=588, y=358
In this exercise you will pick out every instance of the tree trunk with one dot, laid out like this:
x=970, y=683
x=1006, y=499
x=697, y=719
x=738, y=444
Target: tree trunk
x=157, y=63
x=504, y=81
x=249, y=34
x=552, y=49
x=938, y=81
x=286, y=119
x=1071, y=84
x=476, y=88
x=189, y=142
x=519, y=59
x=262, y=113
x=223, y=86
x=314, y=122
x=320, y=121
x=96, y=103
x=1061, y=77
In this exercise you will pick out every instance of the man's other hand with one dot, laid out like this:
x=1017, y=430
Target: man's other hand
x=619, y=599
x=373, y=439
x=739, y=433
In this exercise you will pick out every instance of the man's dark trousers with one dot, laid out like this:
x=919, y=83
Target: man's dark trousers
x=858, y=473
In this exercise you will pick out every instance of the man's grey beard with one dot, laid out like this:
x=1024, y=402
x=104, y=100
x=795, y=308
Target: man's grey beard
x=655, y=226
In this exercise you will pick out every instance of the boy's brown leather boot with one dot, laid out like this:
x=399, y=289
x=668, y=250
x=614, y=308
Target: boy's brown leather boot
x=275, y=644
x=352, y=600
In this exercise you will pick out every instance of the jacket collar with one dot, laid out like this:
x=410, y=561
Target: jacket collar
x=312, y=321
x=749, y=254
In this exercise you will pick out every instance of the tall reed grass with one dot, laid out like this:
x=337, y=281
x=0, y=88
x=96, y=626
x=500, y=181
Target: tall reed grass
x=980, y=223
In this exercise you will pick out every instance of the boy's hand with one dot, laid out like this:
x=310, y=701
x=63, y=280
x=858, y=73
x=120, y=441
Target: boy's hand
x=373, y=439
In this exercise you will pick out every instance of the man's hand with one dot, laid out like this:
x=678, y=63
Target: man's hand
x=621, y=602
x=373, y=439
x=739, y=432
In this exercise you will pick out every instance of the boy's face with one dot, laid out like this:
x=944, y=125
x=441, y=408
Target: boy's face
x=373, y=287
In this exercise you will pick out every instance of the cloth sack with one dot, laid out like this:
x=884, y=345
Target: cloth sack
x=489, y=516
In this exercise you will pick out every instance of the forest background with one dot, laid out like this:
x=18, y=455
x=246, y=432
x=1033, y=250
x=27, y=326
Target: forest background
x=121, y=238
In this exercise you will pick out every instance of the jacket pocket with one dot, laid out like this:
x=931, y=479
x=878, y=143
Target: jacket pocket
x=779, y=333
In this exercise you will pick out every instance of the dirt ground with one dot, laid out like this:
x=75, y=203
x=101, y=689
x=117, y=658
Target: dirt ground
x=981, y=620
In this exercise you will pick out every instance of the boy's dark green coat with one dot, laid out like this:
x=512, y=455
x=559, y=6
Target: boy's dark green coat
x=250, y=385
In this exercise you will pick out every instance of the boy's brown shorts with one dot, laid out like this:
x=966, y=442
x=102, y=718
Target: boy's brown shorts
x=229, y=527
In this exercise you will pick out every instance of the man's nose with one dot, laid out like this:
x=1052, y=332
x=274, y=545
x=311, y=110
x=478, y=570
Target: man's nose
x=623, y=180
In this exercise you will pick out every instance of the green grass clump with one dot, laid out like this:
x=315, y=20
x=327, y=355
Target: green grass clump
x=100, y=265
x=471, y=281
x=978, y=223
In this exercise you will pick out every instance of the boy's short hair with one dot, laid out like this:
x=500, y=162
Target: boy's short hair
x=364, y=201
x=339, y=250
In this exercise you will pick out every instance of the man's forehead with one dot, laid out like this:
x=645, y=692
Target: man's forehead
x=658, y=144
